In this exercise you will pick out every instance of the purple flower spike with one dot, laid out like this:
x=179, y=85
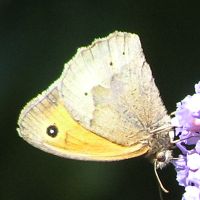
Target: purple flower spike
x=181, y=169
x=197, y=148
x=187, y=123
x=193, y=161
x=197, y=87
x=192, y=193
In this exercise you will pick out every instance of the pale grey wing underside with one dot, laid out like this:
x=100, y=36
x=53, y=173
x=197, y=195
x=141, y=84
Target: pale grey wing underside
x=108, y=87
x=131, y=108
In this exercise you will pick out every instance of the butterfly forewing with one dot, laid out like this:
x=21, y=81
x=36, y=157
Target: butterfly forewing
x=108, y=87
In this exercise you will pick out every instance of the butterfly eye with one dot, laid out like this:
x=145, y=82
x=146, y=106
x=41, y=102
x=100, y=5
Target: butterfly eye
x=161, y=157
x=52, y=131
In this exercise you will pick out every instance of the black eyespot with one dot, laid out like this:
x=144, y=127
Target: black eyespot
x=52, y=131
x=111, y=63
x=85, y=93
x=123, y=53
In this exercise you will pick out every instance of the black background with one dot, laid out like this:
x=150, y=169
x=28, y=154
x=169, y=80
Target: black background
x=36, y=39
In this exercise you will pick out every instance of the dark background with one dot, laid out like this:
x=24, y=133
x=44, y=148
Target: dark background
x=36, y=39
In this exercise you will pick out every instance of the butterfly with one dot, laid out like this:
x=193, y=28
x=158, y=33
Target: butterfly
x=105, y=106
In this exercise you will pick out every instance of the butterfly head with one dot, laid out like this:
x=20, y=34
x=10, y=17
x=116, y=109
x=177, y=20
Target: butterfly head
x=163, y=158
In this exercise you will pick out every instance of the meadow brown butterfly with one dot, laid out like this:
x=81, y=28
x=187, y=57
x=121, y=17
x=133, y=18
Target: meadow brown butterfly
x=104, y=107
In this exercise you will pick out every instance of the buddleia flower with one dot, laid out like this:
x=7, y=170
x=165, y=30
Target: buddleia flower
x=187, y=130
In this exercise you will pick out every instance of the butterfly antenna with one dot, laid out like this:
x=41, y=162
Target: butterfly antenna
x=159, y=181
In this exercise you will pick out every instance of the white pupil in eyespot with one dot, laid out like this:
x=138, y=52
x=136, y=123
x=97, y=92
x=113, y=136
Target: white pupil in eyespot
x=52, y=131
